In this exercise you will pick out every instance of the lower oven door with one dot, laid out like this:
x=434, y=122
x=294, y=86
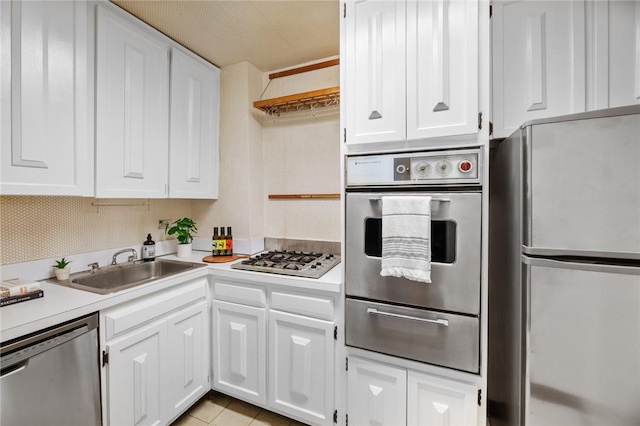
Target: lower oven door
x=443, y=339
x=456, y=223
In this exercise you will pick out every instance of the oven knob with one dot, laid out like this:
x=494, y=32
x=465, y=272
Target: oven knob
x=401, y=169
x=422, y=168
x=465, y=166
x=443, y=167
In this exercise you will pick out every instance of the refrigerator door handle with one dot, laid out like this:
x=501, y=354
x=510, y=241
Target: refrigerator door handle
x=581, y=266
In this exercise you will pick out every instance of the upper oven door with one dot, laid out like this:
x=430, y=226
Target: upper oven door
x=455, y=253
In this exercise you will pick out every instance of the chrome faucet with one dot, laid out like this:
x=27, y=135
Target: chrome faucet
x=131, y=258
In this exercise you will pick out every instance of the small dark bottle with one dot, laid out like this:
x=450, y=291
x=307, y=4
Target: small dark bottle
x=223, y=242
x=229, y=242
x=149, y=249
x=214, y=242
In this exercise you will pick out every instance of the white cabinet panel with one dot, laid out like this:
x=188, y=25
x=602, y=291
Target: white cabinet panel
x=132, y=80
x=301, y=367
x=439, y=402
x=538, y=61
x=375, y=71
x=188, y=357
x=442, y=68
x=46, y=98
x=377, y=393
x=136, y=377
x=240, y=351
x=195, y=88
x=624, y=53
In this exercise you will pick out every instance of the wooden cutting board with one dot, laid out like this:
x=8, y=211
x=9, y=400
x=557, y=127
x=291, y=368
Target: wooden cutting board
x=223, y=259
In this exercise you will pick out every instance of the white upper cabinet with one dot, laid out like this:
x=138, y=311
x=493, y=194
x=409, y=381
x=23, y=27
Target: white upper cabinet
x=411, y=69
x=132, y=82
x=554, y=58
x=375, y=71
x=195, y=106
x=617, y=60
x=46, y=98
x=442, y=68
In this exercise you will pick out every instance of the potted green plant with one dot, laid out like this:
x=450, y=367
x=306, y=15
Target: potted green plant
x=184, y=228
x=62, y=269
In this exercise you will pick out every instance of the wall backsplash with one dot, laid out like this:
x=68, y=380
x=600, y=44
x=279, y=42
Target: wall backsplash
x=43, y=227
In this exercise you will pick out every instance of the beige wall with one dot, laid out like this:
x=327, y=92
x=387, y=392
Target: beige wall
x=296, y=153
x=33, y=228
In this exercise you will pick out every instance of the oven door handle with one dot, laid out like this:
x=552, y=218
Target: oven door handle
x=440, y=200
x=437, y=321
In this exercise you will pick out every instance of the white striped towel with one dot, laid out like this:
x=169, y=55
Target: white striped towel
x=406, y=237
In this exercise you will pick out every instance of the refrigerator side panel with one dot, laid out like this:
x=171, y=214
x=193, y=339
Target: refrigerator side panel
x=584, y=193
x=583, y=344
x=505, y=329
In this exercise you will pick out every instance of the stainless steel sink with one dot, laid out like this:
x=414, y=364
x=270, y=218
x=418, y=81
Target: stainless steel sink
x=120, y=277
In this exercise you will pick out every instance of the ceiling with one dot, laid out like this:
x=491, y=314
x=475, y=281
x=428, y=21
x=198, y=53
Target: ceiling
x=272, y=35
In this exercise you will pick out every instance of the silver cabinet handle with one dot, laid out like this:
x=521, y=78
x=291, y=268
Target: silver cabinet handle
x=440, y=200
x=438, y=321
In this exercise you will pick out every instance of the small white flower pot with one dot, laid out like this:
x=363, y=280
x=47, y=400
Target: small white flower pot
x=184, y=250
x=62, y=274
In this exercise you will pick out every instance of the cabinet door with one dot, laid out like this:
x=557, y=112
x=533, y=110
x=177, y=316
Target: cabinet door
x=135, y=377
x=375, y=71
x=301, y=367
x=195, y=105
x=442, y=68
x=624, y=53
x=132, y=80
x=377, y=393
x=188, y=357
x=538, y=61
x=239, y=346
x=46, y=103
x=438, y=402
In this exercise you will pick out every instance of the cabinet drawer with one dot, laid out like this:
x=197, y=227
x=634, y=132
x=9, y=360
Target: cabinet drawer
x=315, y=307
x=238, y=293
x=132, y=314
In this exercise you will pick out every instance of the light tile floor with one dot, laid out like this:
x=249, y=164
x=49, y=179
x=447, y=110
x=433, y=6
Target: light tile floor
x=221, y=410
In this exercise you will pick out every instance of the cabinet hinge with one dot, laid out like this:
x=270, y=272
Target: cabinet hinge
x=346, y=362
x=105, y=358
x=335, y=416
x=480, y=397
x=490, y=128
x=490, y=11
x=335, y=333
x=345, y=134
x=480, y=120
x=344, y=10
x=346, y=420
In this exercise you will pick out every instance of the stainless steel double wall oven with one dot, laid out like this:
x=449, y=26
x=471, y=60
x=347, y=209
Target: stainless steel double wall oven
x=437, y=322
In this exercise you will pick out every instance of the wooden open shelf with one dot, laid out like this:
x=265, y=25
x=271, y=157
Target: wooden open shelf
x=300, y=101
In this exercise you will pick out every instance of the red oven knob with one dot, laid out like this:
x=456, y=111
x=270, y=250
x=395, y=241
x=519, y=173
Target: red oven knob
x=465, y=166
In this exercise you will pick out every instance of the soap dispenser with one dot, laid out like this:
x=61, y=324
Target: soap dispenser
x=149, y=249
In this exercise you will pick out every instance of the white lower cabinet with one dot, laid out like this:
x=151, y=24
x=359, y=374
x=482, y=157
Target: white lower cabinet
x=239, y=338
x=301, y=366
x=156, y=357
x=286, y=366
x=380, y=394
x=135, y=377
x=377, y=393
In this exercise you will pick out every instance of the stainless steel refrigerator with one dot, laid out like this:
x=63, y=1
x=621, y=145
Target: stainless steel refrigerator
x=564, y=272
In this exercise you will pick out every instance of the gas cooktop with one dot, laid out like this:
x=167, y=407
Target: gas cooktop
x=296, y=263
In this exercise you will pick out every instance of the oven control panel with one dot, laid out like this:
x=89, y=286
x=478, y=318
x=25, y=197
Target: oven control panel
x=429, y=167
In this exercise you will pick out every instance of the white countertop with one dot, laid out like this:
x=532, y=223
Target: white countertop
x=61, y=303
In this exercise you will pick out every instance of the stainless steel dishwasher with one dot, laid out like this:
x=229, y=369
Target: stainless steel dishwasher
x=52, y=377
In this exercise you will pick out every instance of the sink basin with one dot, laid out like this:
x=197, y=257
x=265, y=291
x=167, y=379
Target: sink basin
x=120, y=277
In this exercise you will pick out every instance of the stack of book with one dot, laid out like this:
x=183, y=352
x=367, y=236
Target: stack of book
x=18, y=290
